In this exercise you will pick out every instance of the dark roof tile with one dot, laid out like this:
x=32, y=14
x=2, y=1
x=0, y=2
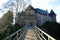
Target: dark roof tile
x=40, y=11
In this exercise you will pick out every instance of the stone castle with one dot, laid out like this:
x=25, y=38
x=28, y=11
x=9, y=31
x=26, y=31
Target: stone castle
x=35, y=16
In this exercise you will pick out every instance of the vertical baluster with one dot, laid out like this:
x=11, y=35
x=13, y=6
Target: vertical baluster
x=9, y=38
x=49, y=38
x=42, y=36
x=17, y=35
x=39, y=35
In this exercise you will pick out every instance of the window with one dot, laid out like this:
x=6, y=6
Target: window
x=32, y=15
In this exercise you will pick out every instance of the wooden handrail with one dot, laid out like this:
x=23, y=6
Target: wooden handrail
x=37, y=30
x=49, y=37
x=15, y=33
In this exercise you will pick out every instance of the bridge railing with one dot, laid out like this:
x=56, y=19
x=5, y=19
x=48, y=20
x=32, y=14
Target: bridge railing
x=15, y=36
x=43, y=35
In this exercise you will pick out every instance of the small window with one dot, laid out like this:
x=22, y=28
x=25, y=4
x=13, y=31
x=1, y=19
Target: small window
x=32, y=15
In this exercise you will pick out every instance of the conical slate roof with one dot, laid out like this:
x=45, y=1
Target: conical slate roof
x=52, y=12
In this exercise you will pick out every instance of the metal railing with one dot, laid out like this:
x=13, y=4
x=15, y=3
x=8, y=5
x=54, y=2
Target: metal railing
x=42, y=35
x=17, y=35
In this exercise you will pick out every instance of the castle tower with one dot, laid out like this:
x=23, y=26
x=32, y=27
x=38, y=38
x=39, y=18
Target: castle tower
x=47, y=13
x=53, y=16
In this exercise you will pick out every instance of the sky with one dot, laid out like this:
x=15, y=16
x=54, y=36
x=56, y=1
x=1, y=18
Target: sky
x=42, y=4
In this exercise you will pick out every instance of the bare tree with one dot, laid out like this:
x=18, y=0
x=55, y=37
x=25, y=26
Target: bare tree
x=20, y=6
x=17, y=6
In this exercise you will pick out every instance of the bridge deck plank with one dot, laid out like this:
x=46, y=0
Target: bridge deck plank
x=29, y=34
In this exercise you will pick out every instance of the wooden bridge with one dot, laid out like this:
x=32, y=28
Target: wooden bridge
x=29, y=33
